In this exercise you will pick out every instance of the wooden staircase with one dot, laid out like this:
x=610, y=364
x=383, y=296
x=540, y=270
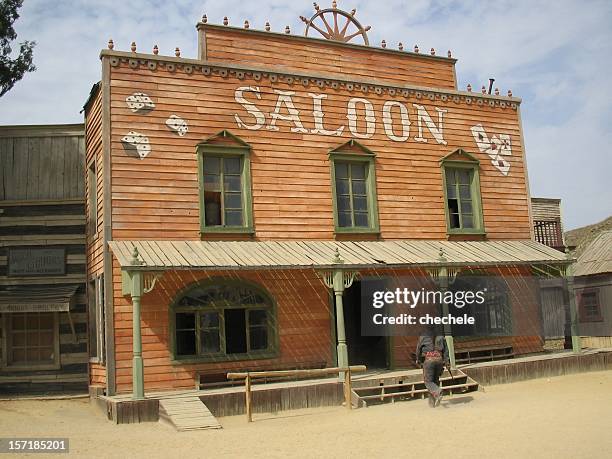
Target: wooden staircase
x=187, y=413
x=365, y=393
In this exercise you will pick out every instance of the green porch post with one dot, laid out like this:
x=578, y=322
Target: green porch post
x=443, y=284
x=576, y=341
x=137, y=365
x=133, y=285
x=338, y=279
x=342, y=349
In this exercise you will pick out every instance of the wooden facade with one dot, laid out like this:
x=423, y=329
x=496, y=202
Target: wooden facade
x=42, y=256
x=288, y=104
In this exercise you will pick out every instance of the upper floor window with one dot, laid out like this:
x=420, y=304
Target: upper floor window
x=462, y=193
x=354, y=189
x=225, y=184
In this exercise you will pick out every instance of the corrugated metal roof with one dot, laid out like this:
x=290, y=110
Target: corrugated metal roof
x=162, y=255
x=27, y=298
x=597, y=257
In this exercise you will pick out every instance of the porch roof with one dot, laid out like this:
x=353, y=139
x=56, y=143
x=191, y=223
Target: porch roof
x=223, y=255
x=28, y=298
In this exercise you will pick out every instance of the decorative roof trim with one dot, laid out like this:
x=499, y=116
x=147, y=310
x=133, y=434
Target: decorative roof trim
x=227, y=134
x=285, y=36
x=224, y=70
x=461, y=152
x=351, y=143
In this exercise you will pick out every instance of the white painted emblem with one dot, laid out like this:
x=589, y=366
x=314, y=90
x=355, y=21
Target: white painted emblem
x=497, y=147
x=139, y=102
x=177, y=124
x=136, y=144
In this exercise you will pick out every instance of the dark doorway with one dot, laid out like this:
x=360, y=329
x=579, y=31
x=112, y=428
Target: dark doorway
x=371, y=351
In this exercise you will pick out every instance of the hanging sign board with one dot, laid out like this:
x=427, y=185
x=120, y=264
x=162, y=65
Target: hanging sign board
x=37, y=262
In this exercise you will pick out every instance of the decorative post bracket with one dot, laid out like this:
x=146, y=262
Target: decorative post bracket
x=338, y=280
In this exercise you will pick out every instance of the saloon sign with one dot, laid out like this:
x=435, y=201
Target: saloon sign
x=498, y=147
x=285, y=110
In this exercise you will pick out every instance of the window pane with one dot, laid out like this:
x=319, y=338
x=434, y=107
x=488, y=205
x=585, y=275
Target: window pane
x=468, y=221
x=185, y=321
x=466, y=207
x=19, y=339
x=451, y=191
x=32, y=321
x=358, y=171
x=32, y=355
x=361, y=219
x=342, y=186
x=359, y=187
x=231, y=165
x=341, y=170
x=212, y=208
x=210, y=341
x=18, y=321
x=454, y=221
x=344, y=219
x=209, y=320
x=46, y=321
x=344, y=203
x=46, y=339
x=258, y=338
x=257, y=317
x=212, y=165
x=185, y=343
x=231, y=183
x=233, y=200
x=360, y=203
x=465, y=192
x=211, y=182
x=463, y=177
x=235, y=331
x=233, y=218
x=32, y=338
x=451, y=176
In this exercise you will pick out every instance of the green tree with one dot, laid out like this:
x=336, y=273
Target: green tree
x=12, y=70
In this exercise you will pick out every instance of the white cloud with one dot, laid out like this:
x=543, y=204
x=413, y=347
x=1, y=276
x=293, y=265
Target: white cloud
x=554, y=54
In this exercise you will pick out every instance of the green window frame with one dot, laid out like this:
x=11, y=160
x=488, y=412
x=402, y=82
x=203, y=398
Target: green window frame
x=224, y=177
x=462, y=198
x=223, y=320
x=353, y=178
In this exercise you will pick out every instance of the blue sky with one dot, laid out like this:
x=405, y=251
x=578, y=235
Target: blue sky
x=555, y=55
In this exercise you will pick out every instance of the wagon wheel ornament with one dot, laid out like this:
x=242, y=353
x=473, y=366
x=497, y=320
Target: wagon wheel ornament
x=335, y=32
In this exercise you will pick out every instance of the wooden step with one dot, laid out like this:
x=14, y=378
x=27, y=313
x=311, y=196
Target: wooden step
x=394, y=386
x=187, y=413
x=467, y=386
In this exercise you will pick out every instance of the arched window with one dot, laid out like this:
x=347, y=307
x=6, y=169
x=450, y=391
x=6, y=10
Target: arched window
x=227, y=320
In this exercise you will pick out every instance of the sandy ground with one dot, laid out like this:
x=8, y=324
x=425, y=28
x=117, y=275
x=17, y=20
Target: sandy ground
x=563, y=417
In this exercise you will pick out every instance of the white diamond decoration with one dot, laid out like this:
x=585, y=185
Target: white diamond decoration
x=177, y=124
x=136, y=144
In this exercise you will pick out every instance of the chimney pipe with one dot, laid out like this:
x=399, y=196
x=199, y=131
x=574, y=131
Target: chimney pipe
x=491, y=81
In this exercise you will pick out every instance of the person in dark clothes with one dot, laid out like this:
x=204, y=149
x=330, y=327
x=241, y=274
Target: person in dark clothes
x=432, y=356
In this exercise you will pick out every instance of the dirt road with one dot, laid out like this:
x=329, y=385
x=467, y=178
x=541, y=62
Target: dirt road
x=562, y=417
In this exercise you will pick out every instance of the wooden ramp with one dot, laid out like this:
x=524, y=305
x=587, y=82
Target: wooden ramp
x=187, y=413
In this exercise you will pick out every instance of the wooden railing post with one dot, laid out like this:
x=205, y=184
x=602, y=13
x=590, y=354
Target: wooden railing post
x=347, y=389
x=247, y=385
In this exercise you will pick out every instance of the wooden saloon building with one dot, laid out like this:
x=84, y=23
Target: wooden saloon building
x=239, y=198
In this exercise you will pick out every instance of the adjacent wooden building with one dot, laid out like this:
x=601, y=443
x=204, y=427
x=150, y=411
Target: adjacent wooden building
x=236, y=199
x=43, y=315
